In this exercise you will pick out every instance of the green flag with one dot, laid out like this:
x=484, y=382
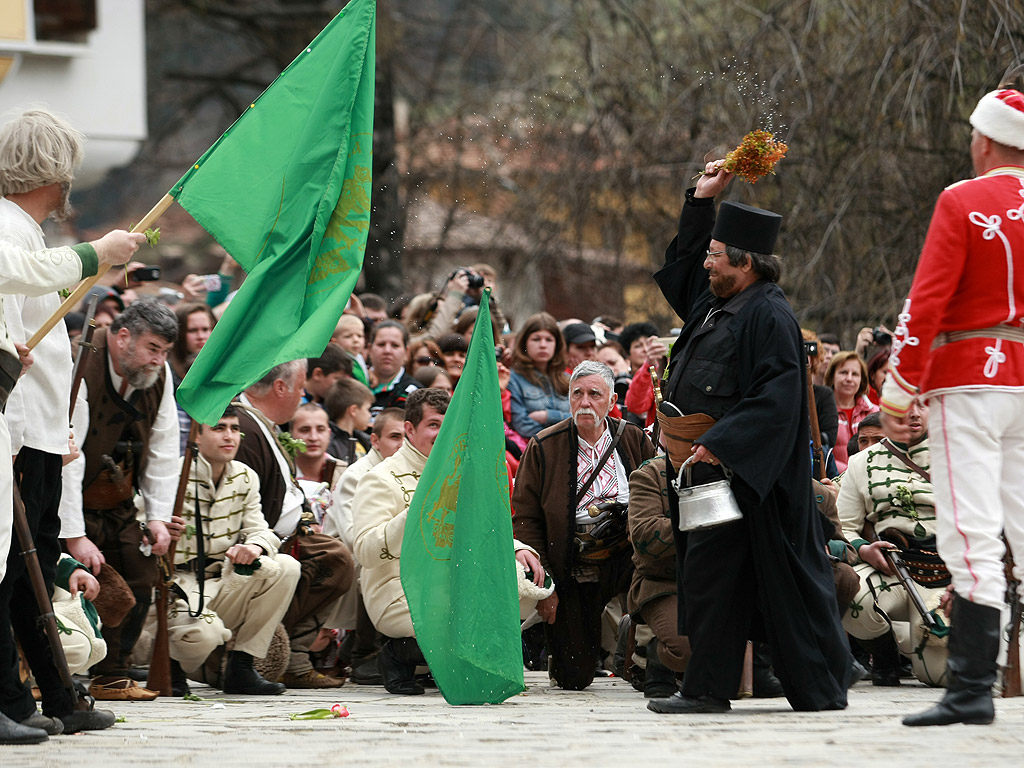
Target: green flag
x=458, y=561
x=286, y=191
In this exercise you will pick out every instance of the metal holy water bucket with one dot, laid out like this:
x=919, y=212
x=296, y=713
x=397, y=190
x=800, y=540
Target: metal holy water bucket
x=704, y=506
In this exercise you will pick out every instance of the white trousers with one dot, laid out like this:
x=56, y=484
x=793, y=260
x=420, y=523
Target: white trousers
x=977, y=452
x=926, y=652
x=6, y=495
x=251, y=610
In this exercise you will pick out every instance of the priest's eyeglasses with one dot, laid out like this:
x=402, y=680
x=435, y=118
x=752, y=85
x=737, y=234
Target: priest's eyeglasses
x=714, y=254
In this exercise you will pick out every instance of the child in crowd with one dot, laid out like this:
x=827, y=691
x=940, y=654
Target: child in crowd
x=350, y=335
x=348, y=409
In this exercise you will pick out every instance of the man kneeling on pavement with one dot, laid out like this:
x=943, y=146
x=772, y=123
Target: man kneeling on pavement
x=229, y=577
x=572, y=485
x=383, y=496
x=653, y=599
x=886, y=493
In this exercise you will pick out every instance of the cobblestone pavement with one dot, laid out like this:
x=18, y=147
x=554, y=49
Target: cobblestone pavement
x=606, y=725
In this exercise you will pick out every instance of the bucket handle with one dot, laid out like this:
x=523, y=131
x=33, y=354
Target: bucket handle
x=686, y=470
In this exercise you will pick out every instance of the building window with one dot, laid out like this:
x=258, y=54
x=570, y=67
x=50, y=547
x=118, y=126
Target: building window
x=67, y=21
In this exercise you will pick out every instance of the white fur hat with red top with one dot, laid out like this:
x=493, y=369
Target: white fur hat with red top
x=1000, y=116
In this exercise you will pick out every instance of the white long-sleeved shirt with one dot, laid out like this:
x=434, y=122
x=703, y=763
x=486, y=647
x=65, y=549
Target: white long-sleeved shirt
x=37, y=411
x=35, y=273
x=159, y=483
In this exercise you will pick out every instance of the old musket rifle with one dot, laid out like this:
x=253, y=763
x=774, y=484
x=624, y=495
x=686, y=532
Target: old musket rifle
x=160, y=662
x=934, y=624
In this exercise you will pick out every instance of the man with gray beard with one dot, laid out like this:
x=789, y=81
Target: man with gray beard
x=570, y=498
x=128, y=427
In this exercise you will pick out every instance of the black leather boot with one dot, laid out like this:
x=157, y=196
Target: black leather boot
x=659, y=680
x=970, y=668
x=766, y=685
x=240, y=677
x=88, y=720
x=52, y=725
x=15, y=733
x=397, y=660
x=681, y=704
x=885, y=660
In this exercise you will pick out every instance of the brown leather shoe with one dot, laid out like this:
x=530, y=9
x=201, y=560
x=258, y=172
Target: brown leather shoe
x=311, y=679
x=111, y=688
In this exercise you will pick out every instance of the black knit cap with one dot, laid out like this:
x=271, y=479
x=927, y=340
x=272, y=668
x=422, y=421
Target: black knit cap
x=747, y=228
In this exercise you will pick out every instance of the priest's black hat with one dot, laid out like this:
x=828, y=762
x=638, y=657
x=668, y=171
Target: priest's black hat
x=746, y=227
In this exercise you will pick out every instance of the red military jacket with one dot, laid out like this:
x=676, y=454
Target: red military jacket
x=970, y=276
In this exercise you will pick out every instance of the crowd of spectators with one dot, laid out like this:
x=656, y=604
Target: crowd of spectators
x=284, y=482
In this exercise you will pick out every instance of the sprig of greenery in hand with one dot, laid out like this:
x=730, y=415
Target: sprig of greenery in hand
x=152, y=238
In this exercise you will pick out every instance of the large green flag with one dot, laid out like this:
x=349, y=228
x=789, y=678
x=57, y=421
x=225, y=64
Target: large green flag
x=458, y=561
x=286, y=191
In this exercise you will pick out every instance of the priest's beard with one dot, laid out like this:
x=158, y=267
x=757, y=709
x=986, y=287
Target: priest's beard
x=723, y=286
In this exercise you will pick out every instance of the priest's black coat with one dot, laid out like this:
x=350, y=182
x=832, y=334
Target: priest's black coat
x=764, y=438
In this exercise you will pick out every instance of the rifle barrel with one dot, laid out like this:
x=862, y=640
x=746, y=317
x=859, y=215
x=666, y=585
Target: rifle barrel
x=903, y=574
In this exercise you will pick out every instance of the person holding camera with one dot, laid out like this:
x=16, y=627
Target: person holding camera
x=878, y=339
x=430, y=316
x=585, y=459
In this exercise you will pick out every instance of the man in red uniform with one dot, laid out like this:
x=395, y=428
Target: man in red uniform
x=960, y=342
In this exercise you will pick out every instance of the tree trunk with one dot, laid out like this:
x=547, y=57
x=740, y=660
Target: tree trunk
x=382, y=268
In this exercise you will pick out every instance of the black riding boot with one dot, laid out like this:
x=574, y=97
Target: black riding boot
x=240, y=677
x=970, y=668
x=397, y=660
x=659, y=681
x=766, y=684
x=179, y=680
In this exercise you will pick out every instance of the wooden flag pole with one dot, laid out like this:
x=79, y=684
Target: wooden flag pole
x=83, y=288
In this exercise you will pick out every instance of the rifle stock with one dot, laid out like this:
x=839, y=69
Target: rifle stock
x=1011, y=672
x=160, y=662
x=818, y=461
x=46, y=615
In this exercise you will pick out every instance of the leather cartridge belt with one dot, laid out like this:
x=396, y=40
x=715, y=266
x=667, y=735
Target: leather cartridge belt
x=10, y=370
x=680, y=433
x=1004, y=332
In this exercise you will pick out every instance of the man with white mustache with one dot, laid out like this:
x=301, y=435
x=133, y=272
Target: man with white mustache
x=587, y=554
x=128, y=423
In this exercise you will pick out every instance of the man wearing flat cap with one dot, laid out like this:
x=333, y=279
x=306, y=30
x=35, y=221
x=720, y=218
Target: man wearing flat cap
x=959, y=345
x=580, y=344
x=737, y=374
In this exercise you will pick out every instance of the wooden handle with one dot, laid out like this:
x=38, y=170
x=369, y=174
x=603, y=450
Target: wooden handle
x=83, y=287
x=747, y=678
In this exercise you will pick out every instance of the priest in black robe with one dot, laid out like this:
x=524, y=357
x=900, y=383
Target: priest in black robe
x=740, y=360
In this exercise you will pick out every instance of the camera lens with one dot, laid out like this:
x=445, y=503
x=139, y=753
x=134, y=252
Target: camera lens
x=475, y=281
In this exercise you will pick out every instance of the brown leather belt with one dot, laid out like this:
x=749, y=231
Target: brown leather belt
x=1004, y=332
